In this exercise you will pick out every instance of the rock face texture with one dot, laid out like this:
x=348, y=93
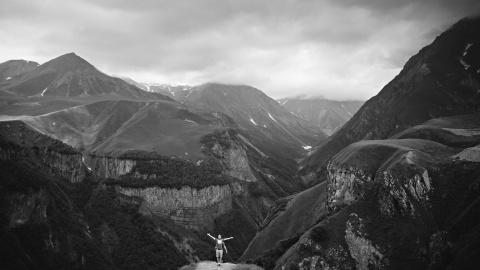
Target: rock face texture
x=366, y=255
x=344, y=185
x=235, y=161
x=433, y=83
x=71, y=166
x=61, y=159
x=110, y=167
x=189, y=207
x=26, y=207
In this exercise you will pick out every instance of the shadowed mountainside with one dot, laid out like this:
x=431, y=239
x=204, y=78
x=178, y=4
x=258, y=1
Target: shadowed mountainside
x=441, y=80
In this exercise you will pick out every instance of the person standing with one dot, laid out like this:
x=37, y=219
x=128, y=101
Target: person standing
x=219, y=246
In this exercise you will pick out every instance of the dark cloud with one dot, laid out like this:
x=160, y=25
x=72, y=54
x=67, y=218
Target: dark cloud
x=340, y=49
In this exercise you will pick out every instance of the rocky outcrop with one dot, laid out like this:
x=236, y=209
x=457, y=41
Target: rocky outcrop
x=235, y=160
x=187, y=206
x=110, y=167
x=19, y=141
x=396, y=192
x=24, y=208
x=344, y=185
x=366, y=254
x=68, y=165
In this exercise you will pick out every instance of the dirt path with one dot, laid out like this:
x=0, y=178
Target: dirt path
x=208, y=265
x=214, y=266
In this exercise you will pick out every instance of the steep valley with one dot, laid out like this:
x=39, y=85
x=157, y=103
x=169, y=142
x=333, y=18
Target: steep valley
x=98, y=173
x=141, y=177
x=170, y=200
x=328, y=115
x=386, y=204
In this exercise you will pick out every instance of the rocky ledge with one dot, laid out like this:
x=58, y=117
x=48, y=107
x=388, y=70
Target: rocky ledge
x=187, y=206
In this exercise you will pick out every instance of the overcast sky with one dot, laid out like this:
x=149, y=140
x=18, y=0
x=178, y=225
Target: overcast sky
x=337, y=49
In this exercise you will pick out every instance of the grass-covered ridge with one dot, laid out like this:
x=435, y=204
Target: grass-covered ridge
x=165, y=172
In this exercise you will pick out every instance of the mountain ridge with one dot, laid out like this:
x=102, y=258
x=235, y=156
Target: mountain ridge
x=433, y=83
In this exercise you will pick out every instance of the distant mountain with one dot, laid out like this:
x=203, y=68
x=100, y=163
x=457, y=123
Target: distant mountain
x=12, y=68
x=165, y=89
x=441, y=80
x=70, y=76
x=328, y=115
x=257, y=113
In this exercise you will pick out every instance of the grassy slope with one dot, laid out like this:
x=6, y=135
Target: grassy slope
x=118, y=126
x=299, y=214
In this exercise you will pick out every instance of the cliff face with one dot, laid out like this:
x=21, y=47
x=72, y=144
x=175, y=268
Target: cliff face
x=404, y=182
x=28, y=207
x=110, y=167
x=344, y=185
x=189, y=207
x=393, y=204
x=21, y=142
x=71, y=166
x=235, y=160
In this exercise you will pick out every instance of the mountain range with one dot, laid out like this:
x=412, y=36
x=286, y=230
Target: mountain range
x=144, y=143
x=108, y=173
x=68, y=76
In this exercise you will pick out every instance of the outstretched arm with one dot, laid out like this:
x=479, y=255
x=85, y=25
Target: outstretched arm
x=225, y=239
x=211, y=236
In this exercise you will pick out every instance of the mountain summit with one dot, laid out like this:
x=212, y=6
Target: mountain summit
x=257, y=113
x=12, y=68
x=70, y=76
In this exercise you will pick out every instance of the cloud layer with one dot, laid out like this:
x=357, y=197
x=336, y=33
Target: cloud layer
x=338, y=49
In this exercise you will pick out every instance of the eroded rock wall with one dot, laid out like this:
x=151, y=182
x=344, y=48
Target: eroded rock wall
x=344, y=185
x=235, y=160
x=187, y=206
x=21, y=208
x=110, y=167
x=68, y=165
